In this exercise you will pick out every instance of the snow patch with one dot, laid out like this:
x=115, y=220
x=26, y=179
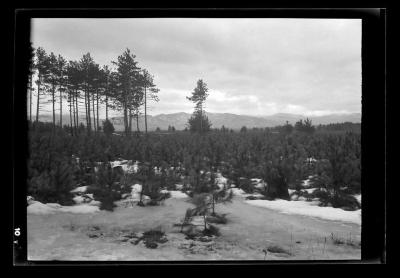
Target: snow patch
x=94, y=203
x=79, y=199
x=40, y=208
x=178, y=194
x=54, y=205
x=84, y=208
x=136, y=188
x=309, y=209
x=310, y=190
x=221, y=181
x=358, y=197
x=127, y=165
x=80, y=189
x=51, y=208
x=256, y=180
x=30, y=200
x=238, y=192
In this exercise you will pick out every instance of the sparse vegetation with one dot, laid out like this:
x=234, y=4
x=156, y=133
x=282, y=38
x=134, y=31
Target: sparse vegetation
x=277, y=249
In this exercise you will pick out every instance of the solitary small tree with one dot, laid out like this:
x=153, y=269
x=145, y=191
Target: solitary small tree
x=108, y=127
x=199, y=95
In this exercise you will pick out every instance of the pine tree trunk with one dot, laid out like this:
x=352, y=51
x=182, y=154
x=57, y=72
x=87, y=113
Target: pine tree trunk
x=126, y=114
x=86, y=112
x=54, y=109
x=60, y=107
x=70, y=113
x=213, y=205
x=130, y=122
x=97, y=107
x=30, y=99
x=106, y=107
x=137, y=123
x=94, y=114
x=77, y=110
x=38, y=98
x=74, y=110
x=126, y=120
x=145, y=109
x=201, y=119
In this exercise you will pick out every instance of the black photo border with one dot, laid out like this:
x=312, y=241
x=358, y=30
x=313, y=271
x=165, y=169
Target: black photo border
x=373, y=235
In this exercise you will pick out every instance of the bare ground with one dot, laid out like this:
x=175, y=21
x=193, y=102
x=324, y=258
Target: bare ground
x=249, y=231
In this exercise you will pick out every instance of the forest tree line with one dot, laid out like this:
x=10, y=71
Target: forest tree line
x=85, y=86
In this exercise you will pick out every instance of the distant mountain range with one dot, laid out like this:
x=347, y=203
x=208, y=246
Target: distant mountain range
x=233, y=121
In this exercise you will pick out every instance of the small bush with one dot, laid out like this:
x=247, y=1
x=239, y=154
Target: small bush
x=152, y=238
x=339, y=200
x=106, y=187
x=246, y=185
x=217, y=219
x=252, y=198
x=108, y=127
x=337, y=240
x=277, y=249
x=53, y=185
x=211, y=230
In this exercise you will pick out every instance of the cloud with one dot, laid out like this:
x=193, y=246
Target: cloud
x=252, y=66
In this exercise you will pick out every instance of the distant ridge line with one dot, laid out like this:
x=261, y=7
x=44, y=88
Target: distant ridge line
x=229, y=120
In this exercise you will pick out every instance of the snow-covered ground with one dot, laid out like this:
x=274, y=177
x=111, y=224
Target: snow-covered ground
x=127, y=165
x=249, y=230
x=80, y=189
x=51, y=208
x=177, y=194
x=309, y=209
x=221, y=181
x=251, y=224
x=300, y=205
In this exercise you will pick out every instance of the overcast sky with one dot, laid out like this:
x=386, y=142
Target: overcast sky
x=252, y=66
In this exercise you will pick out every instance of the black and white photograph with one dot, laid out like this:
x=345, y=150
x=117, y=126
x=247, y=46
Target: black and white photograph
x=194, y=139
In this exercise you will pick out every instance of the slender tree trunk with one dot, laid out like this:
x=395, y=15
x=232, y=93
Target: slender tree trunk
x=94, y=114
x=201, y=120
x=86, y=111
x=130, y=121
x=106, y=107
x=97, y=107
x=74, y=110
x=77, y=110
x=137, y=123
x=30, y=99
x=126, y=115
x=38, y=98
x=54, y=102
x=70, y=113
x=145, y=110
x=88, y=114
x=213, y=205
x=60, y=107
